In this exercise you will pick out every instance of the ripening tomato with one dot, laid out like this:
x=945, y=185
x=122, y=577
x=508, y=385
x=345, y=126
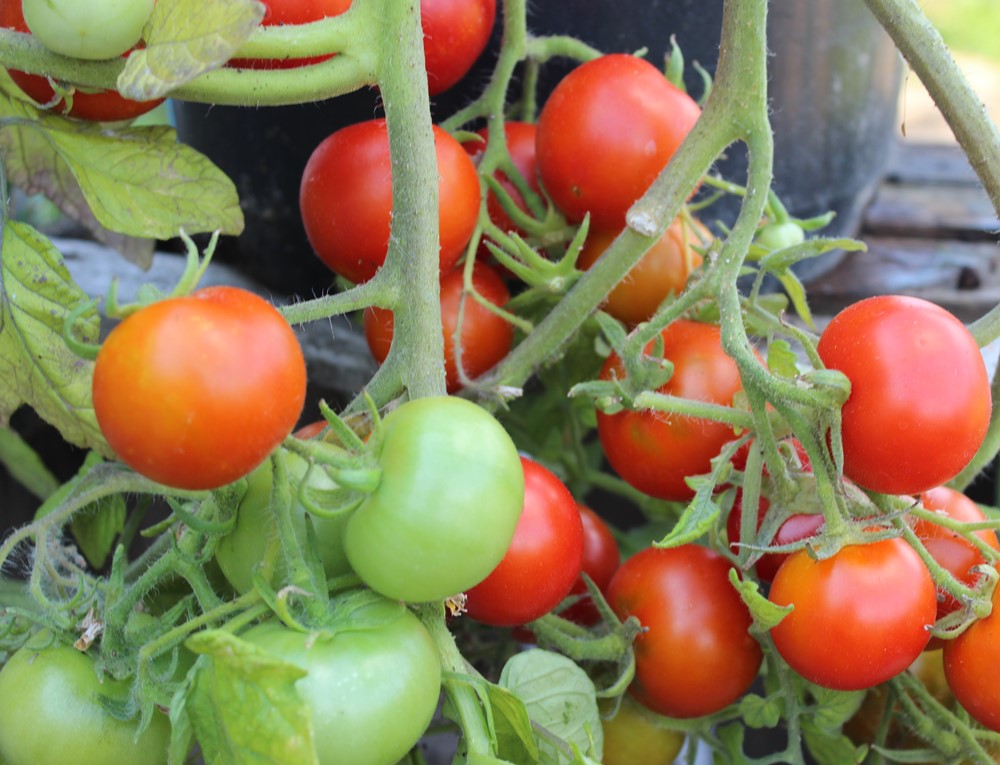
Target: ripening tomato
x=543, y=559
x=860, y=616
x=636, y=736
x=346, y=199
x=96, y=30
x=196, y=391
x=970, y=665
x=280, y=12
x=655, y=452
x=485, y=337
x=97, y=106
x=696, y=654
x=920, y=395
x=951, y=550
x=455, y=34
x=662, y=271
x=605, y=133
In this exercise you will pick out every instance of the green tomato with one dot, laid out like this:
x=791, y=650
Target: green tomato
x=95, y=29
x=778, y=236
x=372, y=691
x=241, y=551
x=51, y=714
x=444, y=513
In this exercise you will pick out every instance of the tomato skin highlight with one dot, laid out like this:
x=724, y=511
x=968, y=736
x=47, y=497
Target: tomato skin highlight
x=662, y=271
x=860, y=616
x=486, y=338
x=51, y=714
x=346, y=199
x=605, y=133
x=194, y=392
x=920, y=397
x=543, y=560
x=654, y=451
x=445, y=511
x=696, y=655
x=371, y=691
x=970, y=662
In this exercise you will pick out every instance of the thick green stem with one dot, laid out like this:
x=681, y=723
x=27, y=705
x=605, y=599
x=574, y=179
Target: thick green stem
x=412, y=263
x=928, y=56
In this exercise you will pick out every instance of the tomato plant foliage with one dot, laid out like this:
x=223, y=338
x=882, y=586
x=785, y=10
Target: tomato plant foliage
x=258, y=567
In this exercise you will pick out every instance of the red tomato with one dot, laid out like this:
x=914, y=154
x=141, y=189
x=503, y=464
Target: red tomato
x=98, y=106
x=544, y=558
x=950, y=550
x=485, y=338
x=346, y=199
x=521, y=147
x=280, y=12
x=920, y=395
x=796, y=528
x=970, y=667
x=695, y=655
x=601, y=559
x=663, y=270
x=605, y=133
x=860, y=616
x=455, y=34
x=655, y=452
x=196, y=391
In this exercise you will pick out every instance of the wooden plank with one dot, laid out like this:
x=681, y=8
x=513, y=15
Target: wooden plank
x=932, y=163
x=964, y=277
x=926, y=210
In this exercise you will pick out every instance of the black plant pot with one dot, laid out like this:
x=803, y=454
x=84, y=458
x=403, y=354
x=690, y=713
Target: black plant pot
x=834, y=83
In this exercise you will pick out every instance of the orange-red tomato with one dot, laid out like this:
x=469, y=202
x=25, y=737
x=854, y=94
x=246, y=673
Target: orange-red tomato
x=696, y=654
x=655, y=452
x=485, y=338
x=662, y=271
x=860, y=616
x=194, y=392
x=951, y=550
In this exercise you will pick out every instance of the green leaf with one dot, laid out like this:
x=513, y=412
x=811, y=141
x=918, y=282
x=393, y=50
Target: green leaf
x=186, y=38
x=244, y=707
x=38, y=369
x=96, y=529
x=559, y=697
x=760, y=712
x=511, y=726
x=765, y=613
x=831, y=748
x=797, y=292
x=138, y=181
x=34, y=167
x=834, y=708
x=781, y=359
x=24, y=464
